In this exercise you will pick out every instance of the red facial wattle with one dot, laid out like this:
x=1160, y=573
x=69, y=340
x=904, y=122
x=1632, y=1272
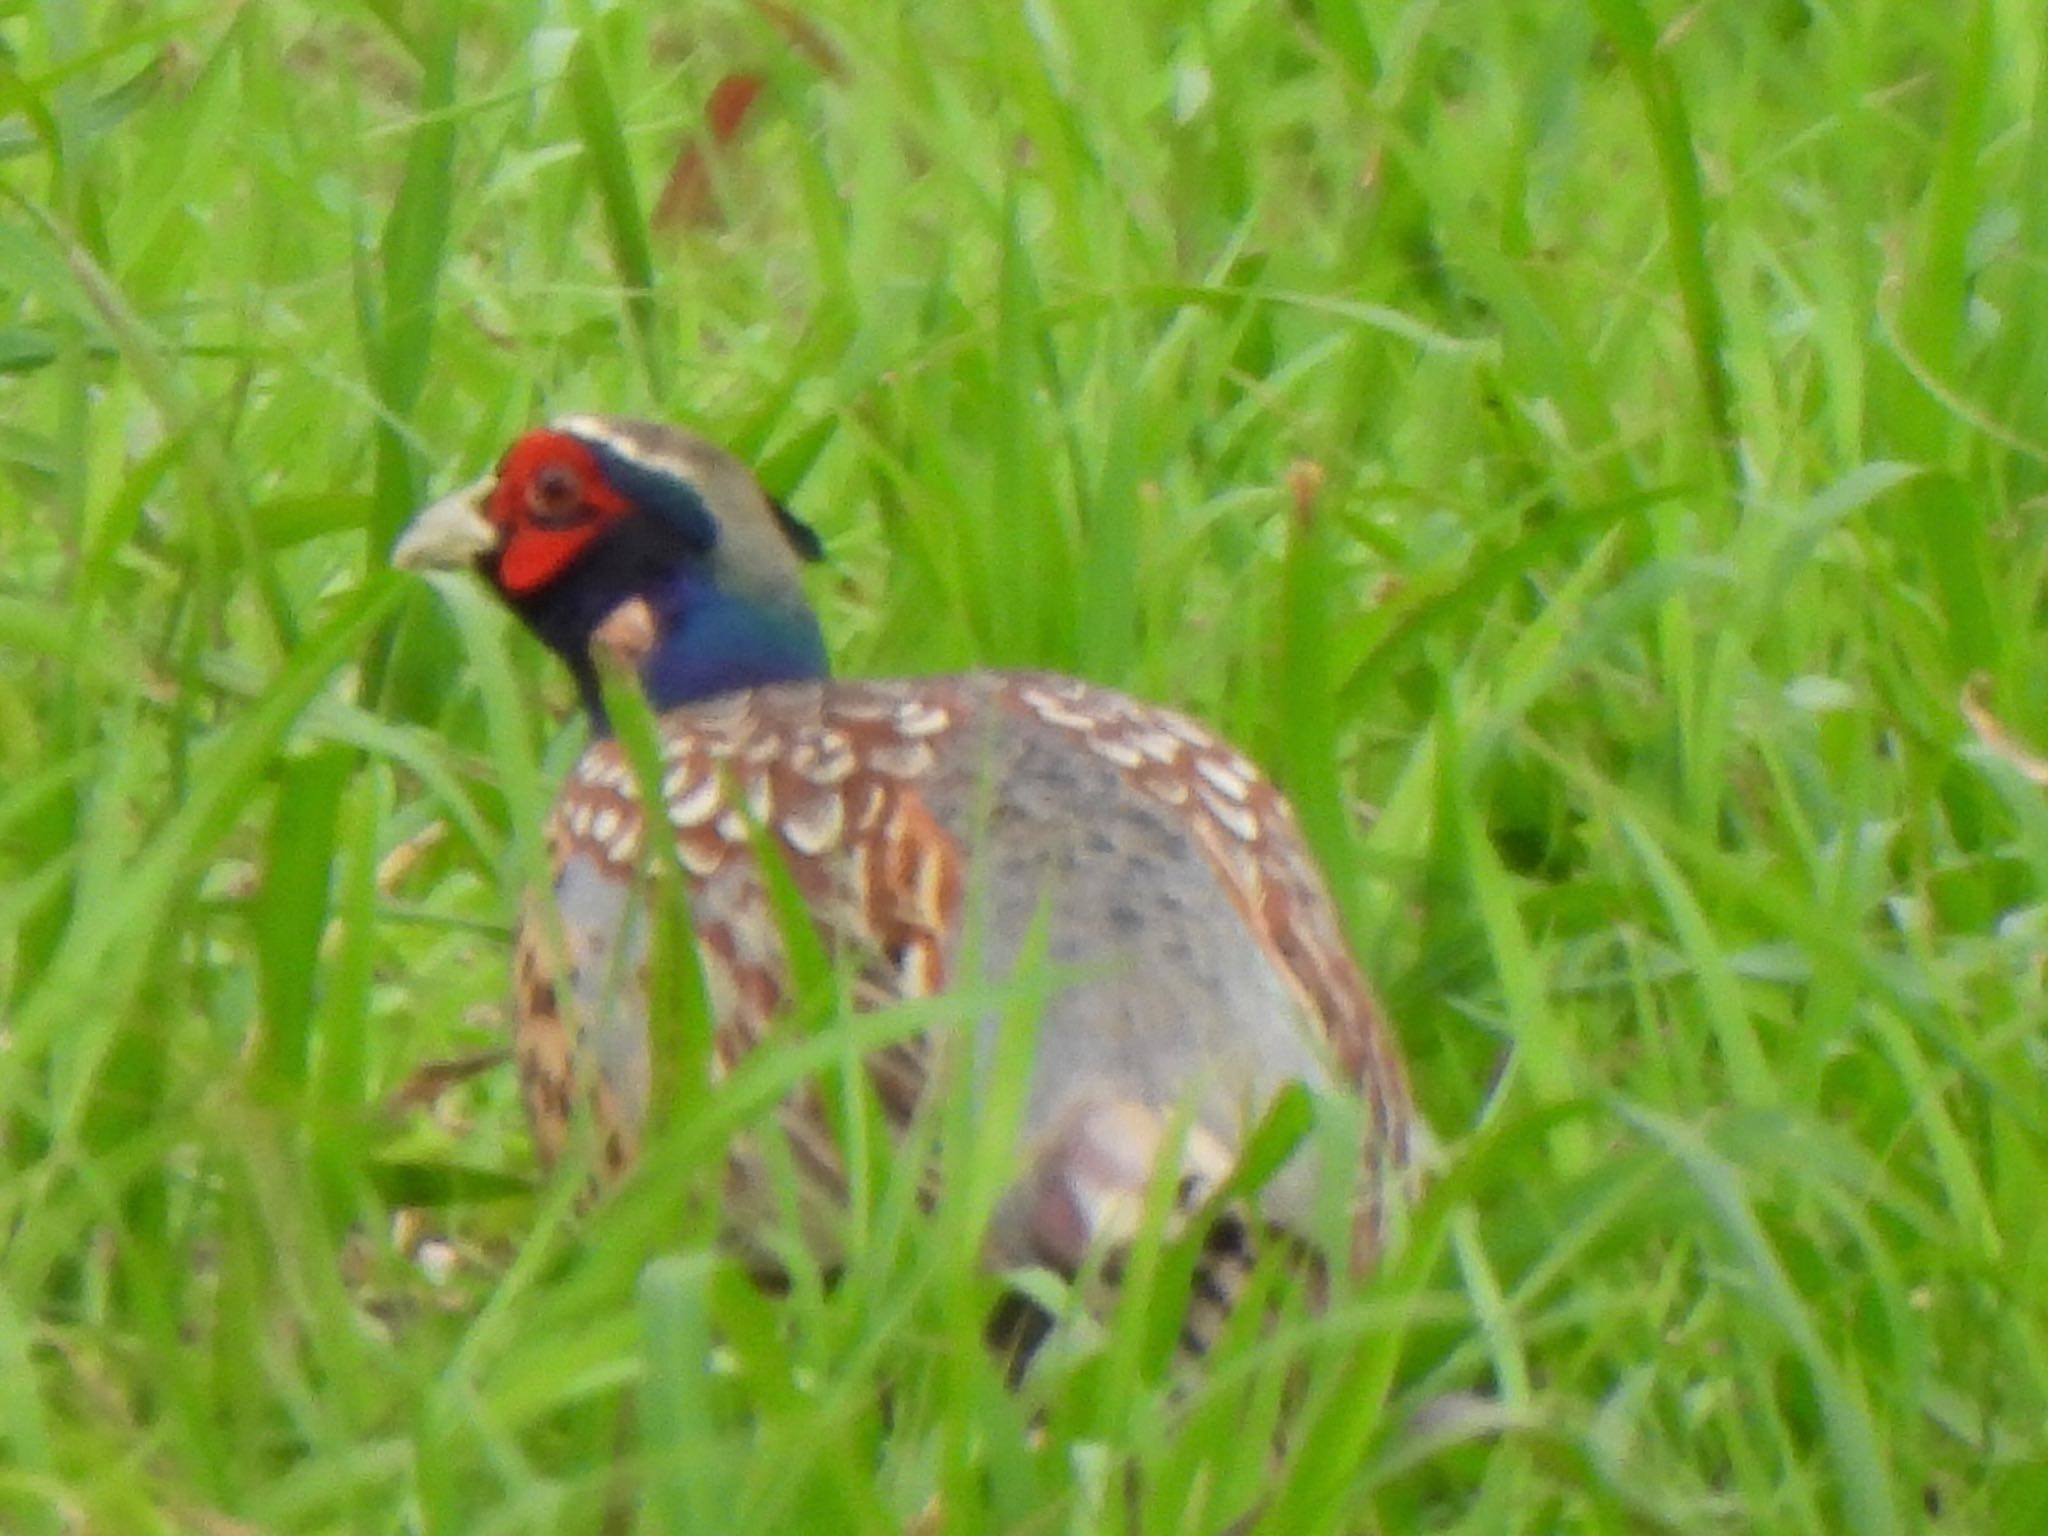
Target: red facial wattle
x=551, y=501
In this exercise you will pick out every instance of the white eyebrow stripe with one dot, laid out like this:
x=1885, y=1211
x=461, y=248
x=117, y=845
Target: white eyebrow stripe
x=598, y=430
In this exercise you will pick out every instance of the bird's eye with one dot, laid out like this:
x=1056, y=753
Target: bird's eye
x=554, y=496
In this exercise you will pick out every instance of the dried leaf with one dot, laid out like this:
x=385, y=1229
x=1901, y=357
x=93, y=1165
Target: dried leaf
x=687, y=200
x=1996, y=739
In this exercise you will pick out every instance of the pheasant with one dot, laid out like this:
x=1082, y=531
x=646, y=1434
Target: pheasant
x=1142, y=857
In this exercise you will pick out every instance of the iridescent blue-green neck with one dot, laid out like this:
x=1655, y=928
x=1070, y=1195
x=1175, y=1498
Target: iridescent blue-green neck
x=708, y=639
x=711, y=641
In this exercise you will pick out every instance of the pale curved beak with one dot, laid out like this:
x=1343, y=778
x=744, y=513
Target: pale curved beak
x=448, y=535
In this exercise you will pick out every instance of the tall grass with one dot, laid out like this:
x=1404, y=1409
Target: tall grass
x=1596, y=454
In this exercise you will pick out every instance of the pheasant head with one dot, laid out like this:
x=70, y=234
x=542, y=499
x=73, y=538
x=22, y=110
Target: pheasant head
x=640, y=539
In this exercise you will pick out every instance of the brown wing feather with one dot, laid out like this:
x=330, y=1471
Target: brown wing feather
x=831, y=776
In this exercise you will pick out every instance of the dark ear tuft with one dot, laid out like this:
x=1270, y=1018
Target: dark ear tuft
x=801, y=535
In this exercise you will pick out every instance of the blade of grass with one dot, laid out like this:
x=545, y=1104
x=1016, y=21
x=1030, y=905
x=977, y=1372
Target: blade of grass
x=596, y=108
x=1628, y=26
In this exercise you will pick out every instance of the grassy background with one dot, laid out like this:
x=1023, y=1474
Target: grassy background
x=1609, y=441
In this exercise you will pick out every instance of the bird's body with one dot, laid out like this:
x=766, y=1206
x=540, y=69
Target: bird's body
x=940, y=831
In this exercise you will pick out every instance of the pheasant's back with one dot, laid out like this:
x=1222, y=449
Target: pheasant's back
x=938, y=831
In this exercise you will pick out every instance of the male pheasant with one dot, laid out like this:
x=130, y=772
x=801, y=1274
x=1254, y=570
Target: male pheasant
x=1149, y=860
